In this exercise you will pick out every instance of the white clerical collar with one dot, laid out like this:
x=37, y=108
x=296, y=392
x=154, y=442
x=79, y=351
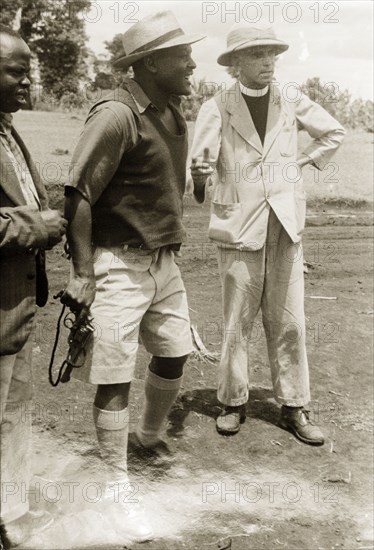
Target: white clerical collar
x=253, y=93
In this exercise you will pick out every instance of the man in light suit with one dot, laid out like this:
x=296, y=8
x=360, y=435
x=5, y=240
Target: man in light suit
x=27, y=228
x=257, y=217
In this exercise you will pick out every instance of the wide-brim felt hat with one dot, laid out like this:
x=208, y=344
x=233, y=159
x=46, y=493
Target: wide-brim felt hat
x=242, y=38
x=158, y=31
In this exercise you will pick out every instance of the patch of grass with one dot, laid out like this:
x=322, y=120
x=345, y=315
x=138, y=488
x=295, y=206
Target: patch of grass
x=339, y=202
x=346, y=181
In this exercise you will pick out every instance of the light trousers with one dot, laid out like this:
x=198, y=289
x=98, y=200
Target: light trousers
x=270, y=279
x=15, y=432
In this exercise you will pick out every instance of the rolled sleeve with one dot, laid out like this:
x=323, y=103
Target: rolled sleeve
x=21, y=229
x=110, y=130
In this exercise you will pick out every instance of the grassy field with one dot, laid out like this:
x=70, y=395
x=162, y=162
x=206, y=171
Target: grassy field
x=51, y=138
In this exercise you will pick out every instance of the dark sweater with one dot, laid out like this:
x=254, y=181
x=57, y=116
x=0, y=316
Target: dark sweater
x=258, y=107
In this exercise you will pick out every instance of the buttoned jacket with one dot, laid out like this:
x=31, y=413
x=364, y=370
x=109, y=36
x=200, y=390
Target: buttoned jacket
x=23, y=282
x=251, y=177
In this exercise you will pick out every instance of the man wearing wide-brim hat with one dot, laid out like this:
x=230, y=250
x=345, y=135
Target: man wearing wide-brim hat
x=257, y=218
x=124, y=205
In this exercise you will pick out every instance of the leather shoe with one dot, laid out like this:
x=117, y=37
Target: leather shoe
x=229, y=420
x=297, y=421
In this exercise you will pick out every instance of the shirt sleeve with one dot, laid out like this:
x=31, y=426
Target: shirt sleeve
x=326, y=132
x=108, y=133
x=21, y=229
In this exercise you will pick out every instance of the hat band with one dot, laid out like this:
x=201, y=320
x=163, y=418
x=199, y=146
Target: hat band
x=158, y=41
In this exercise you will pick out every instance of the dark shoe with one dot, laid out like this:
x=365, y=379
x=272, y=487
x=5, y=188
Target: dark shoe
x=297, y=421
x=22, y=529
x=136, y=446
x=228, y=422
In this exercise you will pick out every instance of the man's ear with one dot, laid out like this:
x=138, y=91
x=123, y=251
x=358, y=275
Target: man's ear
x=150, y=64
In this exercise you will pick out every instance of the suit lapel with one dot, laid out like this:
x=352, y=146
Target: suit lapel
x=241, y=118
x=9, y=180
x=33, y=171
x=275, y=119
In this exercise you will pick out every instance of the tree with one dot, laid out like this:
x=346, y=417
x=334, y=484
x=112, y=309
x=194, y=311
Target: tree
x=60, y=46
x=8, y=11
x=329, y=96
x=201, y=91
x=54, y=29
x=115, y=47
x=361, y=114
x=116, y=50
x=31, y=15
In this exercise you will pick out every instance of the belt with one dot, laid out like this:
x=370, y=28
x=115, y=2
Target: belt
x=173, y=246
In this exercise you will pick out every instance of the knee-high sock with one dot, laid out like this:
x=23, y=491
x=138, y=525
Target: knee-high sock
x=160, y=394
x=112, y=429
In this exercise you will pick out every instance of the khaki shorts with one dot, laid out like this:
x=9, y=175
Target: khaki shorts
x=140, y=296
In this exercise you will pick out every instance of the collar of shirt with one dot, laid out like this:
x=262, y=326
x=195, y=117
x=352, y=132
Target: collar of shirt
x=6, y=123
x=253, y=93
x=142, y=101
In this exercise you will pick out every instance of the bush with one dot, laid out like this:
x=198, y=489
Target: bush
x=69, y=101
x=352, y=114
x=201, y=92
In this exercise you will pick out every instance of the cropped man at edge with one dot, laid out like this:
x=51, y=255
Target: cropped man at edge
x=27, y=228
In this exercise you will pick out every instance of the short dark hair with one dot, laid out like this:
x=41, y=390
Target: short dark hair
x=4, y=29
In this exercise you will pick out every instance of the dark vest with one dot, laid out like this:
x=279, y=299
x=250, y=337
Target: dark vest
x=142, y=206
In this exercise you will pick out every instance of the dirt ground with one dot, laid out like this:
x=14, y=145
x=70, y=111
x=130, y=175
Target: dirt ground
x=261, y=489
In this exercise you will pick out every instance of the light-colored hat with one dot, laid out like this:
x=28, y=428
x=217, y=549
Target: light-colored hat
x=155, y=32
x=243, y=37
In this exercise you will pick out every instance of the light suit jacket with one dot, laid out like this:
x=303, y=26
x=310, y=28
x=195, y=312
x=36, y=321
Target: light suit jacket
x=23, y=234
x=251, y=178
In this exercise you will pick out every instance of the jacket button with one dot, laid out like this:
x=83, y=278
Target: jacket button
x=31, y=276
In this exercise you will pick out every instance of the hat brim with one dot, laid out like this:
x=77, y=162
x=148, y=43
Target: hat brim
x=225, y=58
x=126, y=61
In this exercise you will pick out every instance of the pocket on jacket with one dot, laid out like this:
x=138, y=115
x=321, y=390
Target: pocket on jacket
x=225, y=222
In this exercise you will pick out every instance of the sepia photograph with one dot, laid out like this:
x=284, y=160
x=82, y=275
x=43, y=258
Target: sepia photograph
x=186, y=277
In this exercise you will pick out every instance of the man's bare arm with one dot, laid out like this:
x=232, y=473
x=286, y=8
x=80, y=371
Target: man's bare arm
x=80, y=292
